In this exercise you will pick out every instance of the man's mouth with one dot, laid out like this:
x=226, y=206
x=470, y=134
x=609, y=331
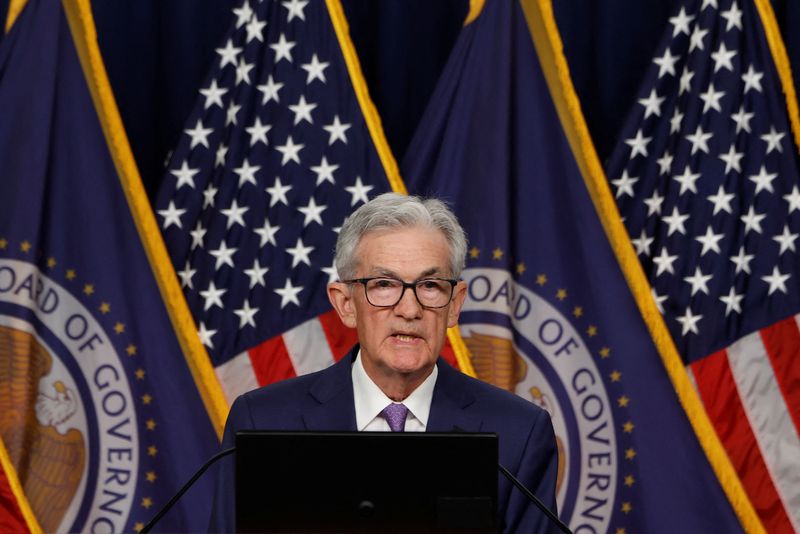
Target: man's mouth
x=405, y=337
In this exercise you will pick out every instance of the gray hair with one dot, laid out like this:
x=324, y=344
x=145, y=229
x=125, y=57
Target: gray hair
x=393, y=210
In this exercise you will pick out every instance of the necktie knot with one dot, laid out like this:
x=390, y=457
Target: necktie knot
x=395, y=414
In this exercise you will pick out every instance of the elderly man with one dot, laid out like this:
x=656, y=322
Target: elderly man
x=399, y=259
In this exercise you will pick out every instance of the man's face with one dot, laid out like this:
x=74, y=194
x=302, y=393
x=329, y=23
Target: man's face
x=404, y=339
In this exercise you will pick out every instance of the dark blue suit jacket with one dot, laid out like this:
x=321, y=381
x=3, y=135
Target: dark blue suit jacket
x=324, y=401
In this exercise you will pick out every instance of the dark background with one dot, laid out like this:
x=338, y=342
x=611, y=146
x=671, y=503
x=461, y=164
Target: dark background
x=158, y=52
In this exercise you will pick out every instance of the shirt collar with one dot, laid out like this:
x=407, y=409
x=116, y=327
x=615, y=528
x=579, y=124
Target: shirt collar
x=370, y=400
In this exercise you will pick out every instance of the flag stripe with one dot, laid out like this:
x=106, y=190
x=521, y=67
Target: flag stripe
x=769, y=419
x=783, y=346
x=308, y=347
x=271, y=361
x=340, y=338
x=718, y=391
x=236, y=376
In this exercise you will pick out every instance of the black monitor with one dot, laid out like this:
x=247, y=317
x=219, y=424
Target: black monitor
x=366, y=482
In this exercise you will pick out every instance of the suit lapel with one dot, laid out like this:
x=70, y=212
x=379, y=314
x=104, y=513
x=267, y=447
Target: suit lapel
x=450, y=402
x=333, y=393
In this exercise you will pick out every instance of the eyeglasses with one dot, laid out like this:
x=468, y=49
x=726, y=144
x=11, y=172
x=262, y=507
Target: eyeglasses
x=384, y=292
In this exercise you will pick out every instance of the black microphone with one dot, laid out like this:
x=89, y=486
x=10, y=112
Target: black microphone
x=149, y=526
x=529, y=494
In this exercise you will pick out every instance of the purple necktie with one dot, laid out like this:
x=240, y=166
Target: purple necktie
x=395, y=414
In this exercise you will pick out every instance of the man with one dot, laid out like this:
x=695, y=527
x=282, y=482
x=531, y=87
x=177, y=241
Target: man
x=399, y=259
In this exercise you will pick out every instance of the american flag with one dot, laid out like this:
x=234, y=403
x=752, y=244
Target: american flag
x=275, y=155
x=706, y=179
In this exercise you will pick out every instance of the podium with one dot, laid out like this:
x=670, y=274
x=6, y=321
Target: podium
x=366, y=482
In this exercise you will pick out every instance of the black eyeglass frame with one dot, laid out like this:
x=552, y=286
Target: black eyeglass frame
x=406, y=285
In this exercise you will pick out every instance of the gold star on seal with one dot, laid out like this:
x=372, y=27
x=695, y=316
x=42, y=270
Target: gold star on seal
x=605, y=352
x=71, y=274
x=629, y=480
x=561, y=294
x=615, y=376
x=147, y=502
x=3, y=243
x=51, y=262
x=131, y=350
x=620, y=531
x=628, y=427
x=577, y=311
x=139, y=374
x=151, y=476
x=152, y=450
x=626, y=507
x=119, y=328
x=88, y=289
x=104, y=308
x=147, y=398
x=138, y=526
x=151, y=424
x=623, y=401
x=541, y=279
x=591, y=331
x=497, y=254
x=630, y=454
x=25, y=246
x=474, y=252
x=521, y=268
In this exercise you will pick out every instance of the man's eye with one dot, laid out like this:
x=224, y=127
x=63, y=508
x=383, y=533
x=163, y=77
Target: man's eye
x=428, y=284
x=384, y=283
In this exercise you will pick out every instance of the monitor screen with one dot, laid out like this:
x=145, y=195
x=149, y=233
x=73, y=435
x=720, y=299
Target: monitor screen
x=366, y=482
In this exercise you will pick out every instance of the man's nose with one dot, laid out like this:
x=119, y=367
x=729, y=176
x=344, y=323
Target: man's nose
x=408, y=307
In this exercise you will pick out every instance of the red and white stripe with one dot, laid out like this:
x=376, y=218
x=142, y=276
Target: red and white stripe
x=751, y=392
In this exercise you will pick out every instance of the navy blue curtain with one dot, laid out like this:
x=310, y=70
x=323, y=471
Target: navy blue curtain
x=157, y=54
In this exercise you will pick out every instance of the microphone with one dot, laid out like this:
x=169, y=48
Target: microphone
x=529, y=494
x=149, y=526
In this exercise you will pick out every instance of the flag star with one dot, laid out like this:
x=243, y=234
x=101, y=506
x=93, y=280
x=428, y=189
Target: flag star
x=642, y=243
x=698, y=281
x=664, y=163
x=776, y=281
x=675, y=121
x=654, y=204
x=786, y=240
x=685, y=81
x=212, y=296
x=732, y=159
x=290, y=151
x=243, y=14
x=793, y=199
x=699, y=140
x=172, y=215
x=315, y=69
x=638, y=144
x=288, y=293
x=664, y=262
x=680, y=23
x=235, y=215
x=742, y=119
x=336, y=131
x=625, y=184
x=773, y=140
x=689, y=322
x=675, y=221
x=324, y=171
x=243, y=71
x=213, y=94
x=256, y=274
x=228, y=54
x=732, y=302
x=246, y=173
x=205, y=335
x=666, y=63
x=224, y=255
x=246, y=315
x=258, y=132
x=185, y=176
x=742, y=261
x=721, y=201
x=267, y=233
x=711, y=98
x=722, y=58
x=710, y=241
x=269, y=90
x=763, y=180
x=332, y=273
x=359, y=191
x=658, y=298
x=208, y=196
x=230, y=115
x=222, y=151
x=733, y=16
x=302, y=110
x=255, y=30
x=688, y=180
x=652, y=104
x=197, y=235
x=696, y=39
x=295, y=9
x=752, y=80
x=198, y=134
x=312, y=212
x=299, y=253
x=277, y=193
x=186, y=276
x=706, y=3
x=283, y=49
x=752, y=221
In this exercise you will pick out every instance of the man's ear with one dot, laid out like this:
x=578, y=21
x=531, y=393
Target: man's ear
x=342, y=301
x=459, y=295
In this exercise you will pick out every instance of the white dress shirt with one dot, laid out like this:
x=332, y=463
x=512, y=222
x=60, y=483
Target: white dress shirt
x=370, y=401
